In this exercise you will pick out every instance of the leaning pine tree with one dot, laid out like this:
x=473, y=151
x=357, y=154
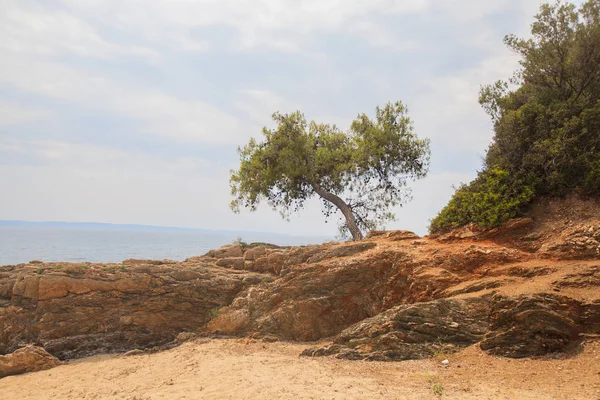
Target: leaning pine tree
x=362, y=173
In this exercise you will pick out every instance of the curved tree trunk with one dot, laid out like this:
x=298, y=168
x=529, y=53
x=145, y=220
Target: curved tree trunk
x=343, y=207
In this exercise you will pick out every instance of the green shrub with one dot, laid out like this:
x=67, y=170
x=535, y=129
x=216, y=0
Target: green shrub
x=547, y=130
x=438, y=389
x=490, y=200
x=213, y=313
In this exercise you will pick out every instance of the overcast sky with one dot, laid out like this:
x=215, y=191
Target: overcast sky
x=130, y=111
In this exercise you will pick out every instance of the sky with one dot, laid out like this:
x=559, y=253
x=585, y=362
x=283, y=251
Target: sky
x=131, y=111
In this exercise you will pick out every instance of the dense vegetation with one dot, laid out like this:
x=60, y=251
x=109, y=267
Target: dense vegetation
x=362, y=172
x=546, y=122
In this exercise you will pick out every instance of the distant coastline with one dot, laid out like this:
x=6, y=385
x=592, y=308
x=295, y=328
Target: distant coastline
x=132, y=227
x=22, y=241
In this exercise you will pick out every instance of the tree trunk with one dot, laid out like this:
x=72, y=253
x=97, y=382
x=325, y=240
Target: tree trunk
x=343, y=207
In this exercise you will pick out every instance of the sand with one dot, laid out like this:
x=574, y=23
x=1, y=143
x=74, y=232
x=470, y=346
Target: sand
x=246, y=369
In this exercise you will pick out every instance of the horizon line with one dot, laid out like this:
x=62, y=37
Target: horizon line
x=7, y=222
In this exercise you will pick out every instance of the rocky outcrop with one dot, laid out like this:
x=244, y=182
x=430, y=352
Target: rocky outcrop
x=393, y=235
x=320, y=293
x=387, y=298
x=79, y=310
x=525, y=326
x=27, y=359
x=412, y=331
x=581, y=241
x=316, y=300
x=539, y=324
x=528, y=288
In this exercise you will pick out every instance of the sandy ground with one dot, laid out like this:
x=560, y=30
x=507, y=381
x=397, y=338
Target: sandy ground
x=243, y=369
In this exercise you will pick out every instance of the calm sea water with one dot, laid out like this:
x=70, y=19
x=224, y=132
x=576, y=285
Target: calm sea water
x=23, y=244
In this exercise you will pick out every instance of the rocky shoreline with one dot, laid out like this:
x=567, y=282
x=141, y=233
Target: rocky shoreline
x=526, y=289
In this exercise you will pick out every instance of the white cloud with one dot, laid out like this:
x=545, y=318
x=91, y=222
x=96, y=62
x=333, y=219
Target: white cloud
x=449, y=109
x=274, y=24
x=104, y=161
x=284, y=25
x=259, y=105
x=160, y=113
x=13, y=114
x=26, y=27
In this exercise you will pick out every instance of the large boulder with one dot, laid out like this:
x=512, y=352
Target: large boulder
x=255, y=253
x=27, y=359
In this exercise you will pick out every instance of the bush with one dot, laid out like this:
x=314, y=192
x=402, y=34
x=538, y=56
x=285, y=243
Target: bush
x=547, y=131
x=490, y=200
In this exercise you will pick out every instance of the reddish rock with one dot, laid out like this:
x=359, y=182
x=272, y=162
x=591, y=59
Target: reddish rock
x=104, y=309
x=27, y=359
x=231, y=250
x=393, y=235
x=255, y=253
x=232, y=262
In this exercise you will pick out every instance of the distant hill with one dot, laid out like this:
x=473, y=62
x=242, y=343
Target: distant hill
x=91, y=225
x=122, y=227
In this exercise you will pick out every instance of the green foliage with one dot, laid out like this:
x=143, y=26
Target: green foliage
x=547, y=130
x=363, y=171
x=39, y=271
x=213, y=313
x=488, y=201
x=59, y=266
x=114, y=268
x=438, y=389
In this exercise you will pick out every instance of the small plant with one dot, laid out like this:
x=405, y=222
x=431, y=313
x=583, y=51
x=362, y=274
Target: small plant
x=240, y=242
x=442, y=353
x=438, y=389
x=442, y=350
x=84, y=266
x=213, y=313
x=39, y=271
x=59, y=266
x=114, y=268
x=431, y=378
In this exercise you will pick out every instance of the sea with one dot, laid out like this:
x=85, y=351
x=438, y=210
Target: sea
x=23, y=244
